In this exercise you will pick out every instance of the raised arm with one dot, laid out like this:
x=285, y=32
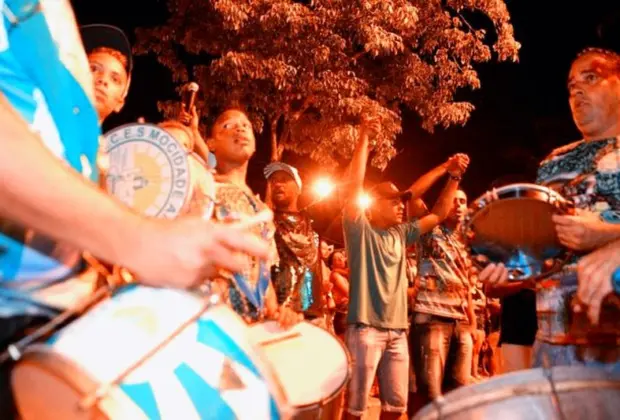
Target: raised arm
x=456, y=168
x=356, y=171
x=421, y=185
x=53, y=200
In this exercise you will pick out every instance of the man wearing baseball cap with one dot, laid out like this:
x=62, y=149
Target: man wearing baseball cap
x=297, y=276
x=376, y=243
x=110, y=59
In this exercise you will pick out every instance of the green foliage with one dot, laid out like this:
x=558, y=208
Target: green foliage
x=310, y=71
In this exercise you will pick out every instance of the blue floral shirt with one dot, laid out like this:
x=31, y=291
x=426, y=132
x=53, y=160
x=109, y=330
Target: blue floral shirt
x=588, y=172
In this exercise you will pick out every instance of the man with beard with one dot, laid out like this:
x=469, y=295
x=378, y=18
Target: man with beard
x=297, y=277
x=443, y=312
x=586, y=172
x=250, y=292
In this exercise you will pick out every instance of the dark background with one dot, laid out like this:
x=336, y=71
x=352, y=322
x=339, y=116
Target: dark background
x=521, y=110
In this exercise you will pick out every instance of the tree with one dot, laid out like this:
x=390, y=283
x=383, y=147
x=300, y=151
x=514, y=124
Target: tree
x=311, y=70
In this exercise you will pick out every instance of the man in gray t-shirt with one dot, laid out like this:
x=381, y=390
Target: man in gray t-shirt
x=376, y=243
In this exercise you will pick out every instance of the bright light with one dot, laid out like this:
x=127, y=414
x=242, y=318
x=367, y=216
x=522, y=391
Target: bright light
x=323, y=187
x=364, y=201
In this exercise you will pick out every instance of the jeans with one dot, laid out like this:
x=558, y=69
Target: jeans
x=442, y=355
x=383, y=352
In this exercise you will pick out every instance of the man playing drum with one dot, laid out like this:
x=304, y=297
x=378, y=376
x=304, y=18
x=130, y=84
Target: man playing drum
x=376, y=247
x=297, y=277
x=586, y=172
x=250, y=291
x=49, y=129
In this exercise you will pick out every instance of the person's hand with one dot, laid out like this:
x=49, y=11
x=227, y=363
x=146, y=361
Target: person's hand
x=370, y=128
x=583, y=231
x=457, y=164
x=183, y=252
x=594, y=273
x=190, y=118
x=287, y=317
x=494, y=275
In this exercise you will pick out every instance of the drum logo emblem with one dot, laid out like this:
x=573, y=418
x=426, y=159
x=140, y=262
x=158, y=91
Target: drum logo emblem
x=148, y=169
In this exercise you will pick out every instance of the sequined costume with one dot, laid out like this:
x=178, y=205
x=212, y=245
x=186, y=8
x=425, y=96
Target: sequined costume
x=234, y=200
x=297, y=277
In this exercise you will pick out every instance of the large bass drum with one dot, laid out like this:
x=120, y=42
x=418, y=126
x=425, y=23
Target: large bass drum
x=561, y=393
x=512, y=225
x=150, y=171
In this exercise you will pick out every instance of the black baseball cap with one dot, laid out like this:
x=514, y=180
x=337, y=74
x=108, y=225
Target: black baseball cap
x=108, y=36
x=389, y=191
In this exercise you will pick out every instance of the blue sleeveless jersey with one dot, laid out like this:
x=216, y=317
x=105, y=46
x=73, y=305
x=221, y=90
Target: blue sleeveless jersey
x=44, y=75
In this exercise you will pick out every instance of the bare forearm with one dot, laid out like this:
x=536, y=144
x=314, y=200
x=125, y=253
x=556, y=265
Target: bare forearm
x=426, y=181
x=39, y=191
x=357, y=168
x=446, y=200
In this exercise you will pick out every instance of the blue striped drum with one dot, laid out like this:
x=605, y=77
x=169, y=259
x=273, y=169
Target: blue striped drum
x=149, y=353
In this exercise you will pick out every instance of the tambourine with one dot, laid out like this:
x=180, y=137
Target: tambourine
x=512, y=225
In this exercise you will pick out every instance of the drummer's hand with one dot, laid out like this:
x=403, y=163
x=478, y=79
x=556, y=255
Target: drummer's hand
x=182, y=252
x=583, y=231
x=594, y=273
x=494, y=275
x=287, y=317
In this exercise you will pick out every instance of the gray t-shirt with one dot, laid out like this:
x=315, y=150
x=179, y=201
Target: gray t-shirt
x=378, y=271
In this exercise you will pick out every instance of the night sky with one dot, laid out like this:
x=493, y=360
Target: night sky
x=521, y=110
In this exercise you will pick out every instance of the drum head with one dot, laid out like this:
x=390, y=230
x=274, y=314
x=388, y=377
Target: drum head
x=580, y=393
x=513, y=225
x=311, y=364
x=149, y=170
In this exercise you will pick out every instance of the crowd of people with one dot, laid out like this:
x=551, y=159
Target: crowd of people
x=418, y=317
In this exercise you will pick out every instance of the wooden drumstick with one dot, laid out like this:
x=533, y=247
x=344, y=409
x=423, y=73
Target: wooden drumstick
x=14, y=351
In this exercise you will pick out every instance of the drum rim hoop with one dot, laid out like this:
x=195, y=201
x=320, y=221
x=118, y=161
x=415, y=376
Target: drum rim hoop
x=540, y=387
x=65, y=370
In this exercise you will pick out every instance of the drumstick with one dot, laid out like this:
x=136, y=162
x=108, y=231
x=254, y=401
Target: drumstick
x=14, y=351
x=280, y=338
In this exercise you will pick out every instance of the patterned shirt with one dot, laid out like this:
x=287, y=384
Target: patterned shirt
x=443, y=269
x=45, y=77
x=234, y=200
x=297, y=278
x=588, y=172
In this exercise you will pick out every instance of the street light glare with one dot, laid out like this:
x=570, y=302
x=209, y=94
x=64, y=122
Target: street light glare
x=323, y=187
x=364, y=201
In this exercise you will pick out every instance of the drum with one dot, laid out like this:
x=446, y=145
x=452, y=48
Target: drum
x=569, y=393
x=150, y=171
x=513, y=225
x=311, y=364
x=149, y=353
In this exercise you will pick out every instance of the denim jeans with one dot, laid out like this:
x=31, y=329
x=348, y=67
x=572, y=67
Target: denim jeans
x=442, y=355
x=382, y=352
